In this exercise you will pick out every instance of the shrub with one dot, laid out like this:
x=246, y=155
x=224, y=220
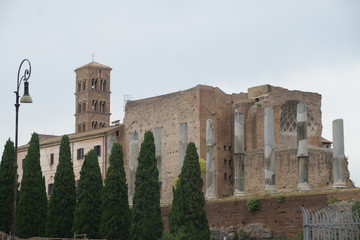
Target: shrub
x=241, y=234
x=280, y=198
x=202, y=163
x=355, y=208
x=333, y=200
x=253, y=204
x=175, y=182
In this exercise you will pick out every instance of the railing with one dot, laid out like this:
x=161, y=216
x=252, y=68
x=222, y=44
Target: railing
x=330, y=224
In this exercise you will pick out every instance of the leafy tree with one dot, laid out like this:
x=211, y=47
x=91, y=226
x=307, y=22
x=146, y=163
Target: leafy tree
x=88, y=206
x=116, y=218
x=6, y=186
x=188, y=213
x=63, y=199
x=146, y=213
x=32, y=205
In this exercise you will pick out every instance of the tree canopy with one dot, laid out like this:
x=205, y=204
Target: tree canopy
x=146, y=213
x=32, y=204
x=116, y=218
x=6, y=186
x=63, y=198
x=188, y=215
x=88, y=206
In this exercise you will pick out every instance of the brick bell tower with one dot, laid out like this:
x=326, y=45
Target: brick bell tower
x=92, y=97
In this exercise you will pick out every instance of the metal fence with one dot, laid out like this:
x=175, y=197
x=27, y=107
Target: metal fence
x=330, y=224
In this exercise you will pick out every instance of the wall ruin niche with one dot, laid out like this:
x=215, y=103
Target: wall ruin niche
x=288, y=127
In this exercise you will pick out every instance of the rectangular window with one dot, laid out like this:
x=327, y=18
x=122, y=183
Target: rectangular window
x=50, y=188
x=51, y=159
x=98, y=150
x=80, y=153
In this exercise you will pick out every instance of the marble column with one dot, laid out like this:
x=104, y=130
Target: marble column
x=210, y=163
x=302, y=153
x=158, y=155
x=183, y=141
x=269, y=143
x=339, y=162
x=133, y=162
x=239, y=154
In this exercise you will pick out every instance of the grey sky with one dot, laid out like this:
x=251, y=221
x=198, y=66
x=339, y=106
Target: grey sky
x=157, y=47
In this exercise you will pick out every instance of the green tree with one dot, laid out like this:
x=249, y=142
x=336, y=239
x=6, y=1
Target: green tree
x=188, y=213
x=63, y=199
x=32, y=205
x=146, y=213
x=6, y=186
x=88, y=206
x=116, y=218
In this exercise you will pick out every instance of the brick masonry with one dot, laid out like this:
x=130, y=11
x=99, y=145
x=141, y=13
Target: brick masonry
x=282, y=218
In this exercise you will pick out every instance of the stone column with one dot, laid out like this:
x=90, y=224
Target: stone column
x=302, y=154
x=133, y=162
x=210, y=164
x=239, y=154
x=158, y=153
x=269, y=150
x=339, y=163
x=183, y=141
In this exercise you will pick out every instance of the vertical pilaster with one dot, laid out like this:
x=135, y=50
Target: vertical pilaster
x=183, y=141
x=269, y=150
x=133, y=155
x=339, y=164
x=158, y=155
x=210, y=164
x=302, y=153
x=239, y=153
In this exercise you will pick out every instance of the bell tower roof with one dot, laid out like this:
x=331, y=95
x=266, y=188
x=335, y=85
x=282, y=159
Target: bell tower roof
x=93, y=64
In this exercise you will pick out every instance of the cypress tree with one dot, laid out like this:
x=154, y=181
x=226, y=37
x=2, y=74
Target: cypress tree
x=116, y=218
x=6, y=186
x=146, y=213
x=188, y=214
x=88, y=205
x=63, y=199
x=32, y=205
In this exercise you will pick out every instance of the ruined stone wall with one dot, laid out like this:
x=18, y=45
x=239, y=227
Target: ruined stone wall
x=165, y=112
x=320, y=170
x=195, y=106
x=284, y=104
x=216, y=105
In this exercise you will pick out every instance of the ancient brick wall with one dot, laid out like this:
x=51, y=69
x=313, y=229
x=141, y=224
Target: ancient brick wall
x=165, y=112
x=320, y=170
x=216, y=105
x=282, y=218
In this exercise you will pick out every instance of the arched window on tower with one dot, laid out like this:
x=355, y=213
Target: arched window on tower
x=79, y=107
x=83, y=127
x=93, y=84
x=94, y=103
x=84, y=107
x=103, y=85
x=79, y=127
x=84, y=85
x=100, y=73
x=79, y=86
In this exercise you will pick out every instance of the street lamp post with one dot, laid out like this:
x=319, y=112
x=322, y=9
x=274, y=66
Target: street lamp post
x=26, y=98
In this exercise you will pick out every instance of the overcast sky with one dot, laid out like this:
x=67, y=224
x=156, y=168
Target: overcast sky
x=158, y=47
